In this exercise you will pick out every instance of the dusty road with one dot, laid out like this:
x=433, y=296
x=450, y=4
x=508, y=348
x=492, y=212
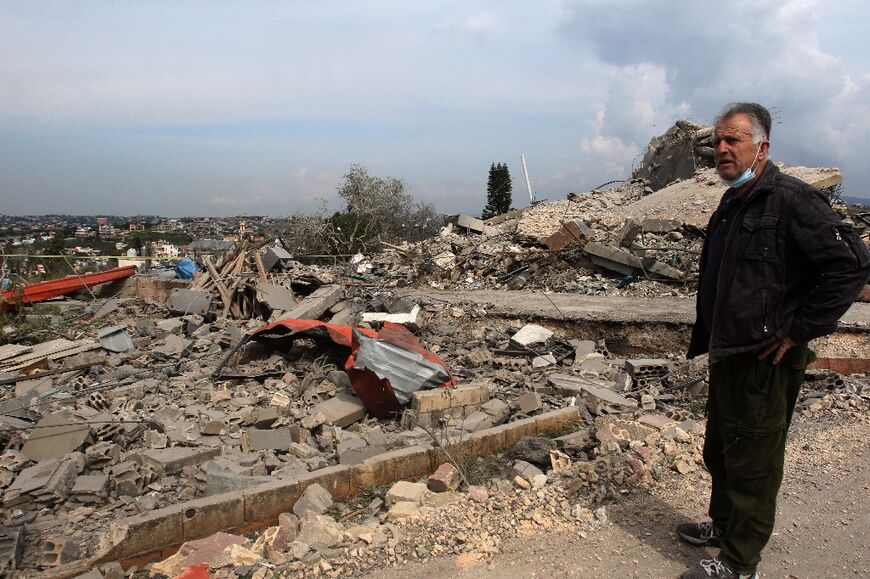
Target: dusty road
x=823, y=527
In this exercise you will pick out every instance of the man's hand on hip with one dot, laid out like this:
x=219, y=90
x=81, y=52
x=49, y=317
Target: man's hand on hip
x=778, y=348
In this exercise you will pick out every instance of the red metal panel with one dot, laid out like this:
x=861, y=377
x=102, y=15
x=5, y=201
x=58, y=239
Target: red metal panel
x=39, y=292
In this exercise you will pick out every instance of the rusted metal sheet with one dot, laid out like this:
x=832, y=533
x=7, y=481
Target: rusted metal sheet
x=46, y=290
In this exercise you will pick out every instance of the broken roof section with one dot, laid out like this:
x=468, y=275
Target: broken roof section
x=384, y=367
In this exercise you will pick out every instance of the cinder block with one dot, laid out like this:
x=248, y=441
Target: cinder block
x=402, y=463
x=203, y=517
x=489, y=441
x=469, y=395
x=362, y=476
x=152, y=531
x=430, y=400
x=266, y=501
x=444, y=398
x=335, y=479
x=514, y=431
x=558, y=420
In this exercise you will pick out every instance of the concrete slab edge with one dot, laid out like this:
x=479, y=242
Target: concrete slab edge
x=157, y=534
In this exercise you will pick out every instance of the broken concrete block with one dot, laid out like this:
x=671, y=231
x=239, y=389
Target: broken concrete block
x=657, y=421
x=476, y=421
x=470, y=223
x=341, y=410
x=358, y=455
x=582, y=348
x=444, y=398
x=653, y=225
x=316, y=304
x=276, y=297
x=445, y=478
x=598, y=397
x=172, y=460
x=570, y=233
x=315, y=499
x=196, y=552
x=11, y=547
x=43, y=484
x=641, y=368
x=301, y=450
x=172, y=346
x=319, y=531
x=187, y=301
x=529, y=402
x=629, y=264
x=91, y=488
x=404, y=491
x=412, y=320
x=497, y=410
x=58, y=551
x=526, y=470
x=54, y=437
x=543, y=361
x=222, y=478
x=289, y=525
x=530, y=334
x=255, y=439
x=265, y=417
x=403, y=510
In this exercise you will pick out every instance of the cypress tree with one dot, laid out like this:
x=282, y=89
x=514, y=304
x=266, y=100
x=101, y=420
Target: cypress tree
x=499, y=191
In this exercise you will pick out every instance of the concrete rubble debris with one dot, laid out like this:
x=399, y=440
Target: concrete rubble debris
x=316, y=304
x=341, y=410
x=196, y=552
x=445, y=478
x=55, y=436
x=188, y=301
x=530, y=334
x=115, y=338
x=315, y=387
x=315, y=499
x=404, y=491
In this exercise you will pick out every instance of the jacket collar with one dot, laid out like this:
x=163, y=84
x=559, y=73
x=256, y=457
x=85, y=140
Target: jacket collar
x=766, y=181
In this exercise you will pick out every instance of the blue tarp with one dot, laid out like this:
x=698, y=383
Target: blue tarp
x=185, y=268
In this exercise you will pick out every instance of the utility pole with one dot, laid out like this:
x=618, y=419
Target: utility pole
x=528, y=184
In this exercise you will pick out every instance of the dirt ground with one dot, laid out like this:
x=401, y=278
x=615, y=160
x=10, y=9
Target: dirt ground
x=823, y=527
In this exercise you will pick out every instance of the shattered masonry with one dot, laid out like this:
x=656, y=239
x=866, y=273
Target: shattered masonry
x=192, y=405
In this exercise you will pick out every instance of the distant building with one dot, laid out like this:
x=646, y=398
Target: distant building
x=137, y=227
x=164, y=250
x=102, y=220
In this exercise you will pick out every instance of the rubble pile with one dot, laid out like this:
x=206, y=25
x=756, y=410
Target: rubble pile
x=261, y=368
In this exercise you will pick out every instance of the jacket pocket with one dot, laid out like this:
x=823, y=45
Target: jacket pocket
x=760, y=235
x=844, y=234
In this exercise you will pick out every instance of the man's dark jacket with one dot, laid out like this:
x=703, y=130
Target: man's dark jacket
x=790, y=267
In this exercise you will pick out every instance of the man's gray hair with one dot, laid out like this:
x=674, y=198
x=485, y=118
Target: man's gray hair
x=758, y=115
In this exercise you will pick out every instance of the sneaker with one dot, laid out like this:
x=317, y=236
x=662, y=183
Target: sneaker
x=702, y=534
x=715, y=568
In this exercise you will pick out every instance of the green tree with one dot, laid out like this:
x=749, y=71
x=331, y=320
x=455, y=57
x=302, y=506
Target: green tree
x=378, y=209
x=499, y=191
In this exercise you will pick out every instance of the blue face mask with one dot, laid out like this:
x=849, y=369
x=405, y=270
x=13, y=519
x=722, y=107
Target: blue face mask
x=748, y=175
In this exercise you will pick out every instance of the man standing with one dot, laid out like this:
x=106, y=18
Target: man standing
x=778, y=268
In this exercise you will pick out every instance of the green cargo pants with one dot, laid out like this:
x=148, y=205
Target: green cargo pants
x=749, y=411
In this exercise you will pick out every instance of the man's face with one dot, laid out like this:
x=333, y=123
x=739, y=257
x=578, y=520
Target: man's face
x=733, y=149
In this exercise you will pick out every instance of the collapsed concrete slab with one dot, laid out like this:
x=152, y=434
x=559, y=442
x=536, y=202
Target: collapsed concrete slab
x=621, y=261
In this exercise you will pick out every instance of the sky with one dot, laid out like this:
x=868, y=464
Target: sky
x=260, y=107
